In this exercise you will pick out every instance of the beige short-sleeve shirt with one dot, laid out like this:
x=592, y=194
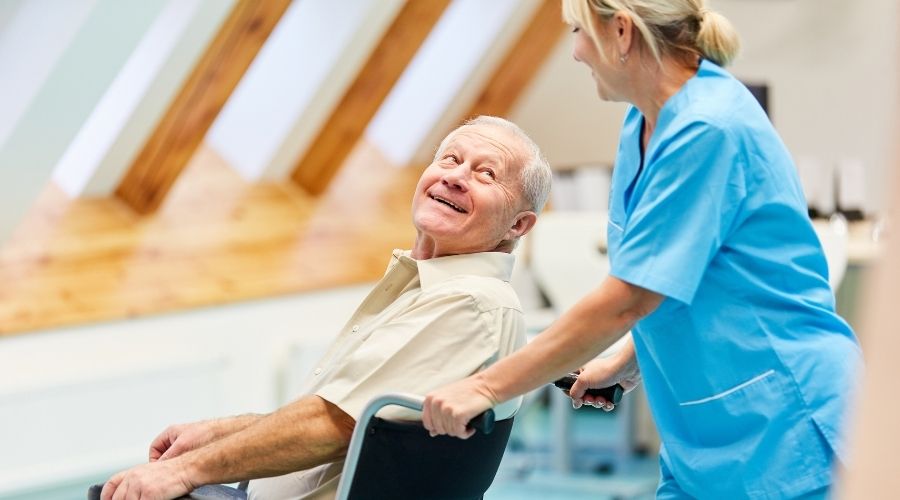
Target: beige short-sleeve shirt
x=425, y=324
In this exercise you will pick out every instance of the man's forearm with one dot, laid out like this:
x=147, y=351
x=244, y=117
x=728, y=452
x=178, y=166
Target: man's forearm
x=301, y=435
x=223, y=427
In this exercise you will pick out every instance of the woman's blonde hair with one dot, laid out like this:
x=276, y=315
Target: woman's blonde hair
x=670, y=27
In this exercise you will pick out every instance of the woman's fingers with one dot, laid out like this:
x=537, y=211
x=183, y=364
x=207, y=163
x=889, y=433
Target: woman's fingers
x=440, y=418
x=449, y=409
x=598, y=402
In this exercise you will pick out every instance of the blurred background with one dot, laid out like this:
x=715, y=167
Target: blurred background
x=195, y=194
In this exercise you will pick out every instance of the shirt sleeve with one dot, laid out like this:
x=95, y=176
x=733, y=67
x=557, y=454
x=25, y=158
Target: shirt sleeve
x=694, y=186
x=442, y=339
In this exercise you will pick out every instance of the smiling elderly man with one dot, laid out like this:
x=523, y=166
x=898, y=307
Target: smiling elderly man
x=442, y=311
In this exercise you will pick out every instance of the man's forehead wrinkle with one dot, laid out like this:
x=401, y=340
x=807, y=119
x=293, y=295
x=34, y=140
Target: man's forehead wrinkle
x=503, y=152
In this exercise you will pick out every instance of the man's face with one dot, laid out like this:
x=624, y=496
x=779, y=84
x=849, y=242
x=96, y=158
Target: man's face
x=470, y=198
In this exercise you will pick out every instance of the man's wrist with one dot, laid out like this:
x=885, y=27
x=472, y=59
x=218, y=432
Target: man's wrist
x=188, y=470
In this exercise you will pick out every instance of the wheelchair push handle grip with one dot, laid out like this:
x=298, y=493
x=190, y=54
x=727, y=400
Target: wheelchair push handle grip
x=483, y=422
x=613, y=394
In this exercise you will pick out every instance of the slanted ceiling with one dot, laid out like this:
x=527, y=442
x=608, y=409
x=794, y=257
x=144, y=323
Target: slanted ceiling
x=183, y=228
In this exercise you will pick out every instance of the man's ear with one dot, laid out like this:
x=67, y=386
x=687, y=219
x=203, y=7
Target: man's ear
x=525, y=221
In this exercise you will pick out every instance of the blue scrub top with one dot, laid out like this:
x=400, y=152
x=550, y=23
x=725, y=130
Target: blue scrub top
x=746, y=364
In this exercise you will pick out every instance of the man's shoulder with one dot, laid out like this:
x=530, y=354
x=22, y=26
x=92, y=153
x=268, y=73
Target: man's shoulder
x=486, y=293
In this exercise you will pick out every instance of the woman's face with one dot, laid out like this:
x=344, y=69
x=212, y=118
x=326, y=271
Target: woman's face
x=604, y=71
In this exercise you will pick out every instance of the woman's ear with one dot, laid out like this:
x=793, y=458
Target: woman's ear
x=623, y=27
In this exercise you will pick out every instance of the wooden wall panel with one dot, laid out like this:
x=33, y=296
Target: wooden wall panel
x=359, y=104
x=182, y=128
x=217, y=240
x=522, y=62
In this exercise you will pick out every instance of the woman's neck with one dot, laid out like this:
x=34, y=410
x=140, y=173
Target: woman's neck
x=654, y=87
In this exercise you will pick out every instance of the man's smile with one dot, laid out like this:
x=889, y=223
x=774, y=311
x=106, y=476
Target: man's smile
x=447, y=202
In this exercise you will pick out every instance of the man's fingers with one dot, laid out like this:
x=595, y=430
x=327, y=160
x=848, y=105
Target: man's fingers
x=159, y=446
x=120, y=491
x=110, y=487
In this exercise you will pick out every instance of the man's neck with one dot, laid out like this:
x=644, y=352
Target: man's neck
x=423, y=248
x=426, y=248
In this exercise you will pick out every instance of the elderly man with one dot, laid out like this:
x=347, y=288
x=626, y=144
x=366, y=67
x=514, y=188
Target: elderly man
x=442, y=311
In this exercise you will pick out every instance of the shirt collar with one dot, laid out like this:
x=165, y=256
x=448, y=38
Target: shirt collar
x=486, y=264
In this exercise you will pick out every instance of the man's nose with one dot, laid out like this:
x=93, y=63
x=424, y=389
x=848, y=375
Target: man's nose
x=456, y=178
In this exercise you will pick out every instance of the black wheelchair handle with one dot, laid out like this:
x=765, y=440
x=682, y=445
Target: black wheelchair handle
x=612, y=394
x=484, y=422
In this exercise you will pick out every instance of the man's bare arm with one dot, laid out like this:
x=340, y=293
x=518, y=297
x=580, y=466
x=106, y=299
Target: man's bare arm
x=303, y=434
x=178, y=439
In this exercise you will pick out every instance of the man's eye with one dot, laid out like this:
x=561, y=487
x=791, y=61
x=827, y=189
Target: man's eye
x=490, y=173
x=575, y=29
x=452, y=159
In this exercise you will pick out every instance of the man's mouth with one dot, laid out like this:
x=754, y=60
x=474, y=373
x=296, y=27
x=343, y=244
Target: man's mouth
x=448, y=203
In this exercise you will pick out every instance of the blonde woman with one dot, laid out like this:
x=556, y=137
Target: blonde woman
x=715, y=269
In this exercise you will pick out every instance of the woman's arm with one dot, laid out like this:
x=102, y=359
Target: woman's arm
x=579, y=335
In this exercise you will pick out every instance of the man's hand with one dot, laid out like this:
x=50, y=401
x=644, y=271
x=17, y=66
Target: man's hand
x=161, y=480
x=449, y=409
x=180, y=438
x=620, y=368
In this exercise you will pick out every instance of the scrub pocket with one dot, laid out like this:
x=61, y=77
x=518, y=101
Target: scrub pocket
x=730, y=415
x=753, y=439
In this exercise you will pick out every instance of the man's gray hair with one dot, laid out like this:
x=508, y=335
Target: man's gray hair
x=536, y=174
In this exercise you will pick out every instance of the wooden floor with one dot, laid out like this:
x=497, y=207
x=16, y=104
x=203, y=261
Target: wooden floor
x=217, y=239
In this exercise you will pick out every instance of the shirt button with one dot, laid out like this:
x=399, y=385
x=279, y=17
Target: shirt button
x=318, y=371
x=355, y=328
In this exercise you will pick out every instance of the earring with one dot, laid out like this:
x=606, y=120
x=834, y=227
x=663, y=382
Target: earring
x=623, y=58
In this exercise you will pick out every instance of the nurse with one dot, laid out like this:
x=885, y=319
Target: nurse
x=715, y=269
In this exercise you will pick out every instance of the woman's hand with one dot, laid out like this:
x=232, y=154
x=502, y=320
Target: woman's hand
x=449, y=409
x=620, y=368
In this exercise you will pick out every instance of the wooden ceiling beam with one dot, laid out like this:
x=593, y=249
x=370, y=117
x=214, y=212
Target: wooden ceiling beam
x=361, y=101
x=49, y=93
x=522, y=62
x=184, y=125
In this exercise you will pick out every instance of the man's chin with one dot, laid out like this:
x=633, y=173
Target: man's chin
x=437, y=224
